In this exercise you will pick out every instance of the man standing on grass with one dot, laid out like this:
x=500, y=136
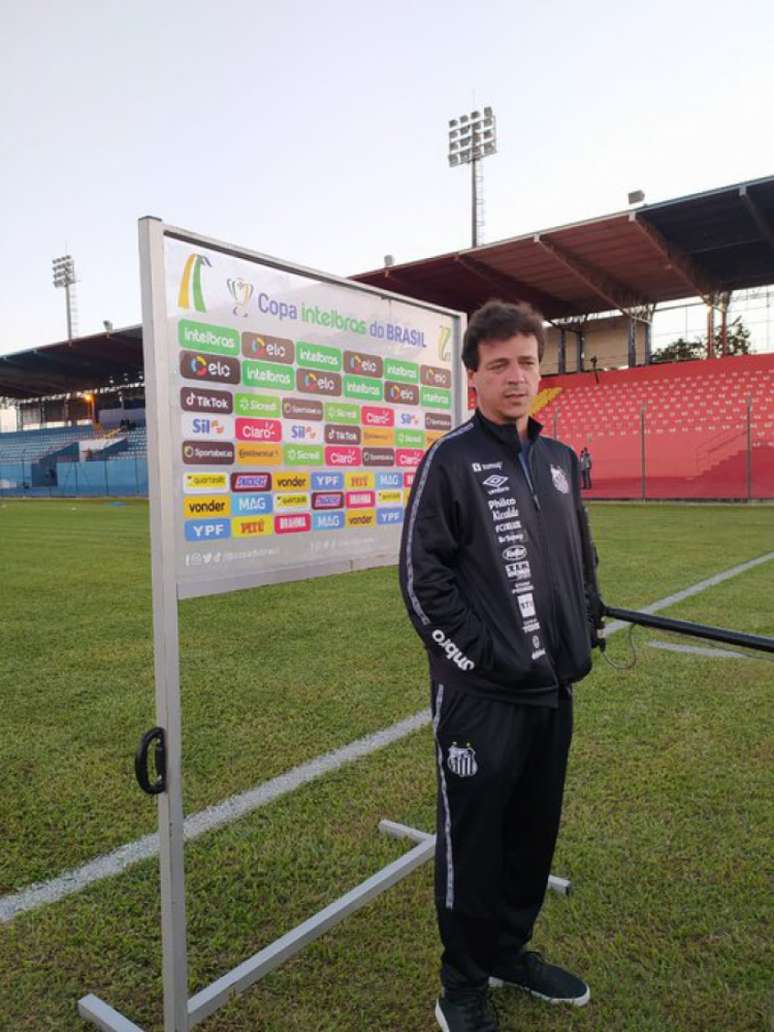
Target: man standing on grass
x=492, y=577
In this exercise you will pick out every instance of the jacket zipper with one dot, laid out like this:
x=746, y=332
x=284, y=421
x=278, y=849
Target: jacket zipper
x=546, y=557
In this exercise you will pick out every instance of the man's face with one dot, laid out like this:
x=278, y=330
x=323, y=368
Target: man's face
x=507, y=378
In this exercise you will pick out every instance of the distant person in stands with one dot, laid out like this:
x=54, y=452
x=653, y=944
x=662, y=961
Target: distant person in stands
x=585, y=467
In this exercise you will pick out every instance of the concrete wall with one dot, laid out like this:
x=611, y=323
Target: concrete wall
x=608, y=339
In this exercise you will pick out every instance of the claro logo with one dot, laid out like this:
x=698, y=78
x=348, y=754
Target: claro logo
x=452, y=652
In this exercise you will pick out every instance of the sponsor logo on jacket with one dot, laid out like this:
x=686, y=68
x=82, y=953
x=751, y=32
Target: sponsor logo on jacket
x=453, y=652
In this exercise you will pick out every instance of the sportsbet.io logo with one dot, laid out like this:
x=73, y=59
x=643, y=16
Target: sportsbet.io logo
x=191, y=283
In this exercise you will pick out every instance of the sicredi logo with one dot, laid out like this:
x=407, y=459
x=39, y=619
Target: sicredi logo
x=207, y=505
x=199, y=399
x=196, y=366
x=303, y=454
x=378, y=457
x=251, y=481
x=401, y=393
x=204, y=483
x=361, y=364
x=291, y=481
x=209, y=453
x=342, y=456
x=257, y=406
x=301, y=408
x=376, y=415
x=341, y=412
x=269, y=349
x=207, y=530
x=310, y=381
x=258, y=430
x=207, y=426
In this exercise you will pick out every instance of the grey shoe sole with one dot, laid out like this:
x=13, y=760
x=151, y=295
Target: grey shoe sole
x=574, y=1001
x=439, y=1016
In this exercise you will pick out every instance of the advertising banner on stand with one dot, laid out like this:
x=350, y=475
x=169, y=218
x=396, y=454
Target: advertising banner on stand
x=301, y=406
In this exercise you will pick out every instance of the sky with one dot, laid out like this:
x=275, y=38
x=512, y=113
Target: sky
x=317, y=133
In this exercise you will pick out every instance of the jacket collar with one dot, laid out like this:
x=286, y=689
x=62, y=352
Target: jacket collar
x=506, y=433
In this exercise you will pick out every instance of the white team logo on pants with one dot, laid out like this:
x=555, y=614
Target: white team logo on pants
x=462, y=760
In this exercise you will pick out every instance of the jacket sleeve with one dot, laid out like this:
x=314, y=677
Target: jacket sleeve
x=439, y=611
x=595, y=607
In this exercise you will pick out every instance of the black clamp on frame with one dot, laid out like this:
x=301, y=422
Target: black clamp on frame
x=155, y=735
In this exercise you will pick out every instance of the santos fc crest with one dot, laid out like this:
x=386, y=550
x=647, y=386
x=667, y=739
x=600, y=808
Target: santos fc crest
x=559, y=477
x=462, y=760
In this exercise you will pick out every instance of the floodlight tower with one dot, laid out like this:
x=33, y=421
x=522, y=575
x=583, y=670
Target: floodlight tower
x=473, y=137
x=64, y=276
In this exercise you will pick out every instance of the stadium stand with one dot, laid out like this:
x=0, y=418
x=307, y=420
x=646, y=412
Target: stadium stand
x=687, y=420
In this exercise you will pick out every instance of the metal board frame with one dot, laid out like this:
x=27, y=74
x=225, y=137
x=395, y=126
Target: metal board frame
x=180, y=1013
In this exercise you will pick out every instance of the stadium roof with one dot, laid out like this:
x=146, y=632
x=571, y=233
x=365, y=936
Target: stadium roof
x=704, y=245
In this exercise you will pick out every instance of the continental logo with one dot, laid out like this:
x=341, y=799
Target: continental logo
x=190, y=294
x=359, y=364
x=379, y=457
x=361, y=517
x=252, y=526
x=291, y=481
x=378, y=435
x=310, y=381
x=437, y=421
x=337, y=434
x=207, y=505
x=268, y=349
x=434, y=376
x=199, y=399
x=215, y=340
x=251, y=482
x=259, y=454
x=401, y=393
x=431, y=436
x=208, y=453
x=302, y=408
x=204, y=483
x=196, y=366
x=359, y=481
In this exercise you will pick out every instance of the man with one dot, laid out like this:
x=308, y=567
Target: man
x=585, y=467
x=492, y=577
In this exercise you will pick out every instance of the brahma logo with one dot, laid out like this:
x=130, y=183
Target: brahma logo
x=192, y=276
x=453, y=653
x=518, y=552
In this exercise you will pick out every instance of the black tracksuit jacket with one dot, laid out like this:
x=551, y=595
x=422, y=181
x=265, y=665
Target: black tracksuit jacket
x=491, y=568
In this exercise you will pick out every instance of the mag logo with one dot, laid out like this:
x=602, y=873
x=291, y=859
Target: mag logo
x=386, y=481
x=252, y=504
x=196, y=366
x=199, y=399
x=327, y=520
x=250, y=482
x=268, y=349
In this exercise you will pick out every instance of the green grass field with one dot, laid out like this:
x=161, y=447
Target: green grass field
x=666, y=830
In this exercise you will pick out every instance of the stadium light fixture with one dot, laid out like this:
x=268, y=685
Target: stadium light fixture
x=64, y=276
x=473, y=137
x=636, y=197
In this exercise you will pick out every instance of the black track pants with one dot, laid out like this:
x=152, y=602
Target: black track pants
x=501, y=770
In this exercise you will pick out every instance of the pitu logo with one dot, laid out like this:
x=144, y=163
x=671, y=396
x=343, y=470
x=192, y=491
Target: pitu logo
x=192, y=274
x=241, y=292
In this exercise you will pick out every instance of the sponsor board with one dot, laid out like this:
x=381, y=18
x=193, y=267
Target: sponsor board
x=363, y=388
x=408, y=456
x=385, y=481
x=378, y=457
x=302, y=408
x=251, y=482
x=327, y=499
x=406, y=496
x=431, y=436
x=390, y=497
x=438, y=421
x=214, y=340
x=408, y=479
x=310, y=381
x=299, y=500
x=342, y=412
x=204, y=483
x=303, y=454
x=291, y=481
x=360, y=364
x=268, y=349
x=304, y=433
x=434, y=397
x=214, y=427
x=379, y=435
x=359, y=481
x=196, y=366
x=336, y=433
x=410, y=438
x=257, y=526
x=376, y=416
x=342, y=456
x=403, y=372
x=316, y=356
x=268, y=375
x=258, y=430
x=199, y=399
x=207, y=530
x=261, y=406
x=327, y=520
x=259, y=454
x=386, y=516
x=360, y=518
x=327, y=481
x=251, y=504
x=401, y=393
x=292, y=523
x=408, y=419
x=207, y=506
x=208, y=453
x=434, y=376
x=360, y=499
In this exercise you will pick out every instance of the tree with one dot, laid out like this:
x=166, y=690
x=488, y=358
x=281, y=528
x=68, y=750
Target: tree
x=737, y=339
x=681, y=350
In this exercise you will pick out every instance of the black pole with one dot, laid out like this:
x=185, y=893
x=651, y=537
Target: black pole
x=664, y=623
x=748, y=452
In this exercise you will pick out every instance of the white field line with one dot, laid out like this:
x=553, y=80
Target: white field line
x=697, y=650
x=230, y=809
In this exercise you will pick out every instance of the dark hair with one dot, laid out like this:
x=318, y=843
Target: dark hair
x=499, y=320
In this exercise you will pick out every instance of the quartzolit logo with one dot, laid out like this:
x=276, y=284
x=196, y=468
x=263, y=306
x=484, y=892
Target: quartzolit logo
x=195, y=366
x=191, y=283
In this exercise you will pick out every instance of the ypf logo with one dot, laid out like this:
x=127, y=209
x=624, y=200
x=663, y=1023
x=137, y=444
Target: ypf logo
x=241, y=291
x=192, y=281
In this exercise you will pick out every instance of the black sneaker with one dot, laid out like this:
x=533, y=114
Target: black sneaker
x=466, y=1010
x=528, y=971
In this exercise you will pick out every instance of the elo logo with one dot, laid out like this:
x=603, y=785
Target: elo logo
x=195, y=366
